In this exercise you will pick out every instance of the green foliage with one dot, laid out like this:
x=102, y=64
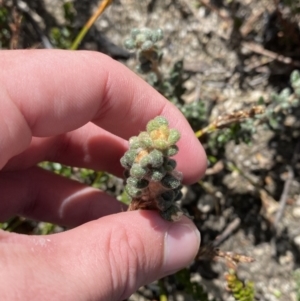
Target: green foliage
x=240, y=290
x=293, y=5
x=283, y=103
x=62, y=37
x=171, y=85
x=5, y=32
x=86, y=176
x=143, y=41
x=297, y=283
x=237, y=132
x=193, y=289
x=270, y=114
x=10, y=224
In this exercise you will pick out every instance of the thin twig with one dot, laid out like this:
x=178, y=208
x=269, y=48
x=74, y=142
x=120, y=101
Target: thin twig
x=284, y=196
x=254, y=47
x=228, y=119
x=280, y=211
x=232, y=259
x=231, y=227
x=15, y=28
x=101, y=8
x=247, y=27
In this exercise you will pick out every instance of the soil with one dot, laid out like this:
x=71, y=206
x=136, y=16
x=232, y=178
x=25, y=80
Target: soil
x=228, y=48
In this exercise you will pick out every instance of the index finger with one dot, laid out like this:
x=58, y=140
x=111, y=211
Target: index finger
x=57, y=91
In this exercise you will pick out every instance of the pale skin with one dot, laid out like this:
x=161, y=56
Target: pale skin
x=79, y=108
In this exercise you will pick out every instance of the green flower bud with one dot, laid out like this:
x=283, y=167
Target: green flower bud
x=133, y=191
x=156, y=123
x=140, y=39
x=159, y=34
x=135, y=32
x=164, y=130
x=157, y=174
x=145, y=161
x=134, y=142
x=132, y=182
x=171, y=151
x=145, y=140
x=155, y=37
x=129, y=44
x=161, y=120
x=147, y=32
x=137, y=171
x=170, y=182
x=130, y=156
x=124, y=162
x=140, y=184
x=146, y=45
x=160, y=144
x=156, y=158
x=174, y=136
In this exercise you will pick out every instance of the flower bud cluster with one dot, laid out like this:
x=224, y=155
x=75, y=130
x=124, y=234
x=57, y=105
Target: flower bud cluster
x=143, y=41
x=151, y=179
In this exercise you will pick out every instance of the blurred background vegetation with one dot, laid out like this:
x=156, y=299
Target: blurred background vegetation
x=231, y=67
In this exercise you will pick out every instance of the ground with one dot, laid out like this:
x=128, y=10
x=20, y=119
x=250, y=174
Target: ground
x=234, y=52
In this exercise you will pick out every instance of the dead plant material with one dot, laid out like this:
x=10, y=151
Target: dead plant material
x=15, y=27
x=254, y=47
x=232, y=259
x=228, y=119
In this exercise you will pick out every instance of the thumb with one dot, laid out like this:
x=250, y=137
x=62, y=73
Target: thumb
x=110, y=258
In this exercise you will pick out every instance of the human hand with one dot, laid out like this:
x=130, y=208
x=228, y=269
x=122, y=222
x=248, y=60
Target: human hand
x=79, y=108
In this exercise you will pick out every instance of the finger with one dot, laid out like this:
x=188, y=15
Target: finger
x=88, y=86
x=89, y=147
x=42, y=195
x=12, y=126
x=107, y=259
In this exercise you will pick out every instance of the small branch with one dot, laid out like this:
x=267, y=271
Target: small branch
x=231, y=227
x=101, y=8
x=282, y=204
x=15, y=28
x=247, y=26
x=254, y=47
x=232, y=259
x=228, y=119
x=284, y=196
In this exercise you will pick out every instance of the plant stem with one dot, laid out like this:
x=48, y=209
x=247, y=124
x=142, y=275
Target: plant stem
x=162, y=294
x=102, y=6
x=228, y=119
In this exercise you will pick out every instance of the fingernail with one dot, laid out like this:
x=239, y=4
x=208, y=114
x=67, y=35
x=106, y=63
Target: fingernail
x=182, y=243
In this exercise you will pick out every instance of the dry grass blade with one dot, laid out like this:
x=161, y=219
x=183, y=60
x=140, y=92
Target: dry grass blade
x=228, y=119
